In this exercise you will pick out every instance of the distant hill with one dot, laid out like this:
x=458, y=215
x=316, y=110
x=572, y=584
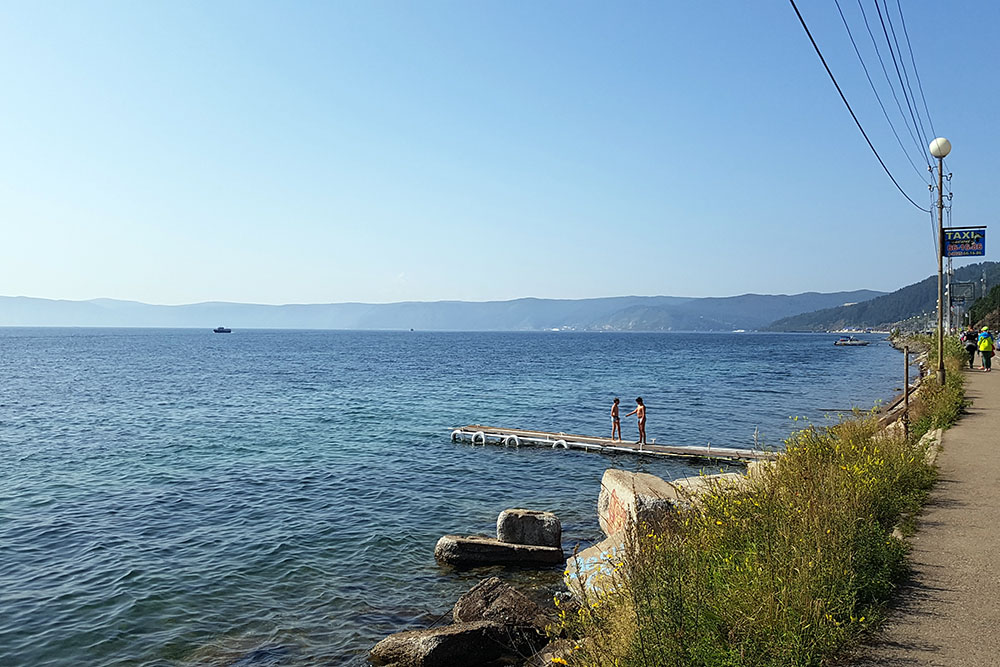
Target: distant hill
x=888, y=310
x=626, y=313
x=986, y=311
x=748, y=311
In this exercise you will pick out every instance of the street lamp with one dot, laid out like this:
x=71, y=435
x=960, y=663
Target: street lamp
x=940, y=148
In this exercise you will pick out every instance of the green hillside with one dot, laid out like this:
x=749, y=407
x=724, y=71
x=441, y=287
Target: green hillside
x=885, y=311
x=986, y=311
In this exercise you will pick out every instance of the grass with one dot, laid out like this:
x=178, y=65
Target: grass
x=785, y=571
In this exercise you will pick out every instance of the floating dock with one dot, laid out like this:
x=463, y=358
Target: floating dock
x=515, y=437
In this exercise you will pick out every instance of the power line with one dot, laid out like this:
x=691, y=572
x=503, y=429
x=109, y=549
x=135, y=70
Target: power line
x=892, y=89
x=848, y=105
x=877, y=97
x=920, y=86
x=906, y=76
x=909, y=86
x=902, y=84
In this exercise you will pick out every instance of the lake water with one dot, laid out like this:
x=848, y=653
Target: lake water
x=175, y=497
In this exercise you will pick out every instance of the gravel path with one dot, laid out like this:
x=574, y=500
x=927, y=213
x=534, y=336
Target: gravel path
x=948, y=612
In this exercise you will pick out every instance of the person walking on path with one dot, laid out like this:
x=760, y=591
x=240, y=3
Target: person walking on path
x=971, y=340
x=986, y=349
x=616, y=421
x=640, y=413
x=948, y=610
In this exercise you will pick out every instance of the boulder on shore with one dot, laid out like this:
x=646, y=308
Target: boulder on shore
x=476, y=551
x=520, y=526
x=498, y=602
x=633, y=497
x=464, y=645
x=494, y=624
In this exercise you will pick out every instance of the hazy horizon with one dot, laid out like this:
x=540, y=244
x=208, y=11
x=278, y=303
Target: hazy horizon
x=429, y=301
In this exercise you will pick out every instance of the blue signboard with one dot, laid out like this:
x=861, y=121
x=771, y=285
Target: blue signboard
x=970, y=242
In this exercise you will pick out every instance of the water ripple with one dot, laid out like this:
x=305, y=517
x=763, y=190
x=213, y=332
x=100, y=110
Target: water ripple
x=170, y=497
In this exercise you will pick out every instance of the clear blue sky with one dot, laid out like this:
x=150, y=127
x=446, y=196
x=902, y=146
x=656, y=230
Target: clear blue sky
x=276, y=152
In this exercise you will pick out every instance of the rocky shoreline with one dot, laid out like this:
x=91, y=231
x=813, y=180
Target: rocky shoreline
x=495, y=624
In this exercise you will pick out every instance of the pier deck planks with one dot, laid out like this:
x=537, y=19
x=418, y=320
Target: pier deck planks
x=498, y=436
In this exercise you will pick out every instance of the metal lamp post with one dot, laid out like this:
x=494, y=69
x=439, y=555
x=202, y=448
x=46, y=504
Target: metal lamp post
x=940, y=148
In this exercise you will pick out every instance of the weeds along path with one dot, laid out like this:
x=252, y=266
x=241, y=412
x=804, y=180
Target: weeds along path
x=948, y=611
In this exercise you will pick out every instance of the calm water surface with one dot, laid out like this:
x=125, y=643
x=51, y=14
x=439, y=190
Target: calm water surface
x=274, y=497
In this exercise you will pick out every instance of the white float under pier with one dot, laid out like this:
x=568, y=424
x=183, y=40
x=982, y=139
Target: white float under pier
x=514, y=437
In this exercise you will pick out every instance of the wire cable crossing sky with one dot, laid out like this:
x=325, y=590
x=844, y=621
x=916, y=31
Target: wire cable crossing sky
x=853, y=115
x=878, y=98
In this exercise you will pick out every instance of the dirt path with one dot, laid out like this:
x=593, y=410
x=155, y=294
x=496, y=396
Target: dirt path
x=948, y=612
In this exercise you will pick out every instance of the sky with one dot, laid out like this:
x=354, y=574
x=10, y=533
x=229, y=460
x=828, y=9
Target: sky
x=380, y=151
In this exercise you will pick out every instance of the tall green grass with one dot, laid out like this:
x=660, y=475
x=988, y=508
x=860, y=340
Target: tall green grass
x=785, y=571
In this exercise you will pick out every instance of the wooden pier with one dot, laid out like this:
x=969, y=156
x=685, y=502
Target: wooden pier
x=515, y=437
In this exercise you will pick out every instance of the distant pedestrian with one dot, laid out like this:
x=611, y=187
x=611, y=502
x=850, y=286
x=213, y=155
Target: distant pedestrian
x=971, y=340
x=616, y=421
x=986, y=348
x=640, y=413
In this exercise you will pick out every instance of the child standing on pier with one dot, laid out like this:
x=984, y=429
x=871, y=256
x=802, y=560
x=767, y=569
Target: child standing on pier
x=616, y=421
x=640, y=413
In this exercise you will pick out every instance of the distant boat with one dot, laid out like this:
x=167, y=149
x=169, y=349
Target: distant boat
x=850, y=341
x=221, y=330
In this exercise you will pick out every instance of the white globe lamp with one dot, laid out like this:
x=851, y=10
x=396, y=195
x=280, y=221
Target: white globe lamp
x=940, y=148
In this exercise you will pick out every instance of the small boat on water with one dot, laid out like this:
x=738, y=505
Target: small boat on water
x=221, y=330
x=850, y=341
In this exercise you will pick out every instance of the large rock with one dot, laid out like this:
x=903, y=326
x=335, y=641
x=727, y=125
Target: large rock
x=630, y=497
x=633, y=497
x=498, y=602
x=517, y=526
x=475, y=551
x=494, y=624
x=464, y=645
x=596, y=571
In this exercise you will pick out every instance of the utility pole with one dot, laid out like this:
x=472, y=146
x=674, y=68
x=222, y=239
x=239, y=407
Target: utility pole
x=940, y=148
x=951, y=301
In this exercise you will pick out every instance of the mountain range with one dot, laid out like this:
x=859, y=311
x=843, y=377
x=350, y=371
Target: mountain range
x=626, y=313
x=892, y=309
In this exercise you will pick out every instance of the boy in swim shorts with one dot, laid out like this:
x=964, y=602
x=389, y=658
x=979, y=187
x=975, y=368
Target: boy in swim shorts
x=640, y=414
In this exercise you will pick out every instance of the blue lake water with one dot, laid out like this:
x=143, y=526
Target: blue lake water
x=175, y=497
